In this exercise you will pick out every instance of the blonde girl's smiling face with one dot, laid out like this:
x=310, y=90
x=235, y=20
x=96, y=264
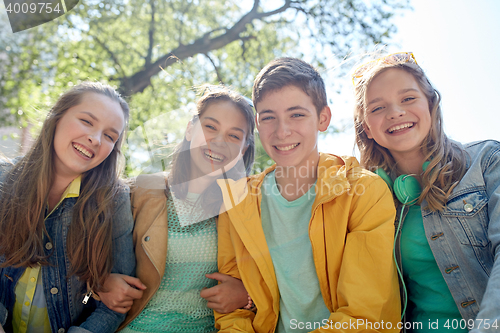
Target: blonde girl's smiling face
x=217, y=139
x=86, y=134
x=397, y=114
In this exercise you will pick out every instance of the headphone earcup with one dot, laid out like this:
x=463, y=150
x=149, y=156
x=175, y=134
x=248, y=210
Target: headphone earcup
x=407, y=189
x=381, y=172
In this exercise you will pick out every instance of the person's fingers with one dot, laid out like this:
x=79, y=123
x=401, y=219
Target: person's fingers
x=218, y=276
x=124, y=304
x=134, y=282
x=133, y=293
x=206, y=293
x=212, y=305
x=219, y=307
x=121, y=309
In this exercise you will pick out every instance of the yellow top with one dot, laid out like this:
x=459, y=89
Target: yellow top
x=30, y=310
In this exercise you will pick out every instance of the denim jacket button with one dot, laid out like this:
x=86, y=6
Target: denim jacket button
x=437, y=236
x=61, y=330
x=48, y=246
x=468, y=208
x=54, y=291
x=146, y=238
x=466, y=304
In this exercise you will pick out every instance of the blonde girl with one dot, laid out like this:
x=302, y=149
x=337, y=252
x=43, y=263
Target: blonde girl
x=65, y=218
x=448, y=237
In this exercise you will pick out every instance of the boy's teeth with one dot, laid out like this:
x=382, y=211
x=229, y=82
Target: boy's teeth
x=287, y=147
x=214, y=156
x=83, y=151
x=399, y=127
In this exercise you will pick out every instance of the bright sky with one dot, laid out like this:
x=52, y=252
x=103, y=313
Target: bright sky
x=456, y=43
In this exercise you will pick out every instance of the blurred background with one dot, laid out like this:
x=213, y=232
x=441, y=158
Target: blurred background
x=157, y=52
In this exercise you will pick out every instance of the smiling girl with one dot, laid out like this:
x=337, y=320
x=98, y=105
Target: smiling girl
x=65, y=217
x=175, y=232
x=449, y=234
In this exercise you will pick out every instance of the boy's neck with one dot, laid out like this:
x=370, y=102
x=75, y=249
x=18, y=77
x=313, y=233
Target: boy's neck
x=293, y=183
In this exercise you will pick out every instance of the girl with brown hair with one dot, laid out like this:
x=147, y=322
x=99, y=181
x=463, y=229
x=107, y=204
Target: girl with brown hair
x=65, y=218
x=175, y=233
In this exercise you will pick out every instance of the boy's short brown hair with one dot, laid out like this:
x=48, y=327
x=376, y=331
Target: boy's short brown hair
x=283, y=72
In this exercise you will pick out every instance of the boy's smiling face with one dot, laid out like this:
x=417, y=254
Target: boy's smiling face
x=288, y=126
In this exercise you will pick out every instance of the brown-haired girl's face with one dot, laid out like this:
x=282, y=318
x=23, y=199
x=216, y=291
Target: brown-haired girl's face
x=217, y=139
x=86, y=134
x=397, y=113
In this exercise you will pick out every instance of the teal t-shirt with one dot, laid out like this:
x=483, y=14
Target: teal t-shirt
x=430, y=301
x=286, y=227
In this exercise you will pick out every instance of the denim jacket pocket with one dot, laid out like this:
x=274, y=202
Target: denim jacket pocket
x=467, y=215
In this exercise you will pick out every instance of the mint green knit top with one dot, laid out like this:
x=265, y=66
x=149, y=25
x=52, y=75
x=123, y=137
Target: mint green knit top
x=192, y=253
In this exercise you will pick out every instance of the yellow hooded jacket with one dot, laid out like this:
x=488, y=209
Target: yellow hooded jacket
x=352, y=234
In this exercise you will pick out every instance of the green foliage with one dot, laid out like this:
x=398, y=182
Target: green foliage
x=156, y=52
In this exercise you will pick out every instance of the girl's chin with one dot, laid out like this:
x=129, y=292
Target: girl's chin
x=216, y=172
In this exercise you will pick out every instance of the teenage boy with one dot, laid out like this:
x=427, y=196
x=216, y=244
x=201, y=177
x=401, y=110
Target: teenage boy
x=311, y=237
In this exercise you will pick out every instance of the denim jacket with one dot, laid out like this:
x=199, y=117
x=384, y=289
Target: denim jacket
x=63, y=293
x=465, y=236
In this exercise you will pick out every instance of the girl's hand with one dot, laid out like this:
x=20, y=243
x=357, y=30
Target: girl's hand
x=121, y=292
x=1, y=329
x=227, y=296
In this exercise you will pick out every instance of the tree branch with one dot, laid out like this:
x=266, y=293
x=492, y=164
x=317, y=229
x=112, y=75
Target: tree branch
x=142, y=79
x=287, y=5
x=215, y=67
x=243, y=46
x=111, y=54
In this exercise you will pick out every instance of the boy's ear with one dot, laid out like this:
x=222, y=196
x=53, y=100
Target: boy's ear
x=367, y=131
x=189, y=131
x=324, y=118
x=256, y=122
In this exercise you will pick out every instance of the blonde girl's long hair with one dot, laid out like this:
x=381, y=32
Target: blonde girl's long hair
x=447, y=159
x=24, y=194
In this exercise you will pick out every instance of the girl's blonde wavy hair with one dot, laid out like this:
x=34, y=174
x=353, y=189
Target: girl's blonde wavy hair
x=447, y=159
